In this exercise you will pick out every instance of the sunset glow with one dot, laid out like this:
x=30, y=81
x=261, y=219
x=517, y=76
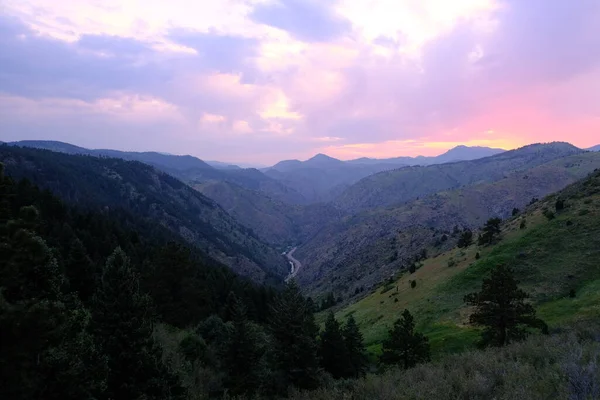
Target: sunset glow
x=265, y=80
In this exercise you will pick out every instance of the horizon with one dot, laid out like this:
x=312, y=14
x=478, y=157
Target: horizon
x=260, y=81
x=262, y=165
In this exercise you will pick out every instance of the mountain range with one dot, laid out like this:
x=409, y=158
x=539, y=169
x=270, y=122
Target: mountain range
x=113, y=185
x=353, y=222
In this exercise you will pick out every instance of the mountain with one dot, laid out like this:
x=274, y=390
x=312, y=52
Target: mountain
x=274, y=221
x=594, y=148
x=111, y=184
x=408, y=183
x=160, y=160
x=550, y=257
x=458, y=153
x=362, y=249
x=187, y=168
x=321, y=178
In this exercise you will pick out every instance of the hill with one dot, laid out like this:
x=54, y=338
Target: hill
x=404, y=184
x=595, y=148
x=458, y=153
x=111, y=184
x=550, y=256
x=272, y=220
x=361, y=250
x=186, y=168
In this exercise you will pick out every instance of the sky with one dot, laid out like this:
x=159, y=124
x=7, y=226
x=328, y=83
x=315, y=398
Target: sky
x=258, y=81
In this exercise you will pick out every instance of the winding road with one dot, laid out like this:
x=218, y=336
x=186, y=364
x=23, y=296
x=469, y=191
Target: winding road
x=295, y=265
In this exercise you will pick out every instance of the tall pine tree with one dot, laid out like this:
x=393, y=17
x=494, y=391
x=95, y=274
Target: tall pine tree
x=294, y=330
x=243, y=352
x=332, y=349
x=405, y=347
x=355, y=348
x=501, y=309
x=123, y=325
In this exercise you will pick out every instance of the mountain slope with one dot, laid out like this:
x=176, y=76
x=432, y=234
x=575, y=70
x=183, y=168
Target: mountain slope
x=187, y=168
x=549, y=257
x=595, y=148
x=405, y=184
x=361, y=250
x=274, y=221
x=107, y=184
x=458, y=153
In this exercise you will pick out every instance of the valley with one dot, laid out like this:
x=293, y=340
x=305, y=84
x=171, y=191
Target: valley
x=322, y=240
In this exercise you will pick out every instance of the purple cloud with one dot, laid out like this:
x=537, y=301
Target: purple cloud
x=308, y=20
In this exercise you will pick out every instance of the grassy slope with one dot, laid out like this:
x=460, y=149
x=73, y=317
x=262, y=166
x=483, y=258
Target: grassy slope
x=549, y=257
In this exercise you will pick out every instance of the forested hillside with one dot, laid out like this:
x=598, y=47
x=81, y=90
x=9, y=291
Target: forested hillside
x=398, y=186
x=358, y=251
x=111, y=185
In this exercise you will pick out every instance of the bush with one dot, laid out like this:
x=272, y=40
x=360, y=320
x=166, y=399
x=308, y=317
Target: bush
x=523, y=224
x=413, y=284
x=549, y=214
x=583, y=212
x=451, y=262
x=477, y=256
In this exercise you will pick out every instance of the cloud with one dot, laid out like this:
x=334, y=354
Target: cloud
x=285, y=79
x=307, y=20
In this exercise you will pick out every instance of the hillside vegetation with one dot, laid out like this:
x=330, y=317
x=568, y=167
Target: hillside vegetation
x=359, y=251
x=272, y=220
x=110, y=184
x=554, y=254
x=398, y=186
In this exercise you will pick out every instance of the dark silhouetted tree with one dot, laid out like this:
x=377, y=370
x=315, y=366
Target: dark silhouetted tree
x=80, y=271
x=355, y=348
x=295, y=332
x=515, y=211
x=243, y=352
x=500, y=308
x=466, y=239
x=490, y=231
x=332, y=349
x=405, y=347
x=122, y=322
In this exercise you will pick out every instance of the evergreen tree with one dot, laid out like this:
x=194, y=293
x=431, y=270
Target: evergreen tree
x=46, y=350
x=491, y=230
x=501, y=309
x=404, y=346
x=243, y=352
x=332, y=349
x=466, y=239
x=355, y=348
x=294, y=330
x=80, y=271
x=122, y=323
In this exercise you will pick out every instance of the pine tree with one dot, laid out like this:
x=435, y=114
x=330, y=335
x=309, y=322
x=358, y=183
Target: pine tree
x=466, y=239
x=80, y=271
x=294, y=330
x=332, y=349
x=501, y=309
x=46, y=349
x=404, y=346
x=355, y=348
x=243, y=352
x=491, y=230
x=122, y=323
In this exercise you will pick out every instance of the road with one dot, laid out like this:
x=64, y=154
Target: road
x=295, y=265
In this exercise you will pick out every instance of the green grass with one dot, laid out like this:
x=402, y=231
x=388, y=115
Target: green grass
x=549, y=257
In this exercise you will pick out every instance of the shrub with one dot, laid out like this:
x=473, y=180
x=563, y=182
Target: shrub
x=549, y=214
x=451, y=262
x=523, y=224
x=572, y=293
x=413, y=284
x=583, y=212
x=477, y=256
